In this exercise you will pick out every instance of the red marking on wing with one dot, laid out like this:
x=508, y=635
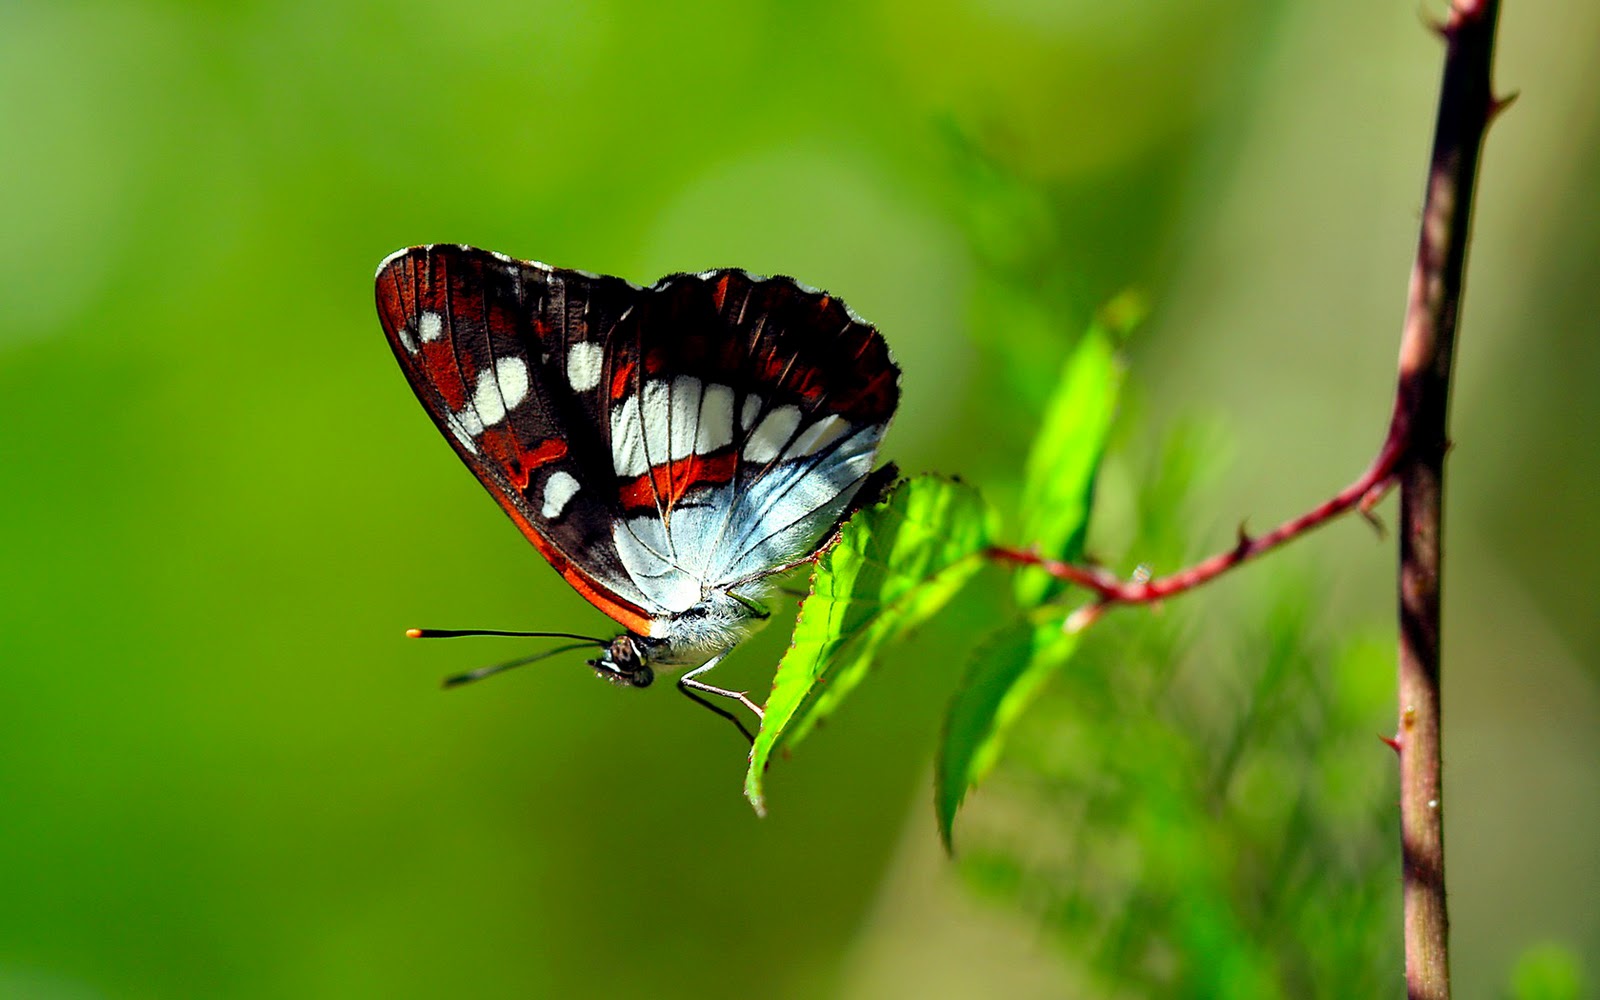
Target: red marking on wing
x=439, y=362
x=671, y=480
x=395, y=293
x=547, y=452
x=720, y=292
x=501, y=444
x=622, y=381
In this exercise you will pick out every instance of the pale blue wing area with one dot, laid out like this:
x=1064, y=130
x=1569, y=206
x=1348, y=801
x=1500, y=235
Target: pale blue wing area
x=771, y=515
x=647, y=554
x=780, y=517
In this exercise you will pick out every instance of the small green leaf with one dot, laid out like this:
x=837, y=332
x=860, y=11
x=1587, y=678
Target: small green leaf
x=1060, y=473
x=895, y=565
x=1005, y=674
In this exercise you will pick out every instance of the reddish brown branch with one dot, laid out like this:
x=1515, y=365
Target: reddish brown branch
x=1111, y=589
x=1466, y=106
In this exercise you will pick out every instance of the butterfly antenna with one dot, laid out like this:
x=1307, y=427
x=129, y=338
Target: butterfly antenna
x=482, y=672
x=456, y=633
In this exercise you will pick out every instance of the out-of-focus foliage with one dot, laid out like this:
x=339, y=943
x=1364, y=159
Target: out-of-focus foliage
x=1151, y=749
x=1547, y=972
x=1006, y=674
x=224, y=773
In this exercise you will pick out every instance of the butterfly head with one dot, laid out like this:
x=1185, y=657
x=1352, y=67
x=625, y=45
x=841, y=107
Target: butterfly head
x=690, y=637
x=623, y=662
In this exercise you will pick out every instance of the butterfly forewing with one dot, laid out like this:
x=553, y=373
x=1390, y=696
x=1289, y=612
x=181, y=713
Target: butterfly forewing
x=654, y=444
x=480, y=339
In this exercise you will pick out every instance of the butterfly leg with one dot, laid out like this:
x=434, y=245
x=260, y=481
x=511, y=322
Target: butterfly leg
x=688, y=681
x=743, y=729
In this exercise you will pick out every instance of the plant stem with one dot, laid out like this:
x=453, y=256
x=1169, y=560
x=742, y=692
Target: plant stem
x=1427, y=348
x=1110, y=589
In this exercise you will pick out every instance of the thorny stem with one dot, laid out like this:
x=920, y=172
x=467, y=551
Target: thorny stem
x=1109, y=588
x=1466, y=106
x=1412, y=456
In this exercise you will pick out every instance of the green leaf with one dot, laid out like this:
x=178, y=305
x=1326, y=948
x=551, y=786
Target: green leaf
x=1005, y=674
x=894, y=566
x=1060, y=473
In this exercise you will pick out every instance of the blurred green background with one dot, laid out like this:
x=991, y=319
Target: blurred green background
x=224, y=773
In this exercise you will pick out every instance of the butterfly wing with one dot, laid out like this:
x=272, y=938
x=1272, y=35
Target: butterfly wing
x=653, y=444
x=502, y=354
x=745, y=414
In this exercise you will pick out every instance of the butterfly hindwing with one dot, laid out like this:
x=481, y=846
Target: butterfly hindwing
x=748, y=410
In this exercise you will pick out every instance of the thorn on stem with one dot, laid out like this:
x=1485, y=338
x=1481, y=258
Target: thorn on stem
x=1393, y=742
x=1498, y=105
x=1242, y=541
x=1374, y=520
x=1371, y=498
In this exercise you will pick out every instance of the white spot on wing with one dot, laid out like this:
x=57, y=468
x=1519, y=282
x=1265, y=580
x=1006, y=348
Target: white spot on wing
x=772, y=434
x=747, y=413
x=407, y=339
x=430, y=326
x=486, y=399
x=584, y=361
x=686, y=390
x=511, y=374
x=497, y=391
x=627, y=443
x=817, y=436
x=716, y=420
x=559, y=490
x=653, y=408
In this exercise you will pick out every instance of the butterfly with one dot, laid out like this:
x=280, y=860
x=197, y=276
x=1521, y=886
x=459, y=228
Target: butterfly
x=668, y=449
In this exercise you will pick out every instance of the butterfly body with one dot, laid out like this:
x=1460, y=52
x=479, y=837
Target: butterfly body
x=667, y=449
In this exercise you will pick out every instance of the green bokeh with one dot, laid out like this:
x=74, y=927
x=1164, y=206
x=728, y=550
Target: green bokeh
x=223, y=772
